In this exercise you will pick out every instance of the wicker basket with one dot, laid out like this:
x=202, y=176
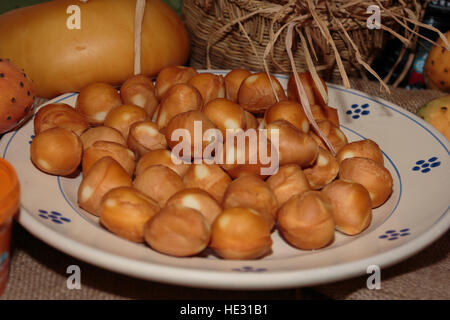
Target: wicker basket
x=233, y=48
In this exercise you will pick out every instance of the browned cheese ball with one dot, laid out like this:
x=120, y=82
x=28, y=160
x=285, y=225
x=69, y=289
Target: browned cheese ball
x=252, y=192
x=295, y=147
x=324, y=170
x=106, y=174
x=121, y=118
x=139, y=91
x=225, y=114
x=318, y=112
x=170, y=76
x=364, y=149
x=306, y=220
x=199, y=200
x=352, y=207
x=101, y=133
x=125, y=210
x=290, y=111
x=208, y=177
x=59, y=115
x=96, y=100
x=256, y=93
x=161, y=157
x=211, y=86
x=321, y=113
x=287, y=182
x=56, y=151
x=374, y=177
x=250, y=153
x=144, y=136
x=180, y=133
x=312, y=92
x=178, y=99
x=250, y=120
x=99, y=149
x=233, y=81
x=332, y=115
x=240, y=234
x=333, y=133
x=159, y=183
x=178, y=231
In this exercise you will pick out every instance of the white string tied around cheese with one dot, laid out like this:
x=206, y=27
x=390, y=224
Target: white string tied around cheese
x=138, y=18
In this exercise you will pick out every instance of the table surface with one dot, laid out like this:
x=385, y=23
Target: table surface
x=38, y=271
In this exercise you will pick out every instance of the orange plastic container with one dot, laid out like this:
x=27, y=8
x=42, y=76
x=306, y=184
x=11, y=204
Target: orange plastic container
x=9, y=205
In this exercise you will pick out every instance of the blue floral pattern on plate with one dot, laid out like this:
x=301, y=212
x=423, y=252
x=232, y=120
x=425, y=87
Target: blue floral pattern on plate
x=53, y=216
x=426, y=166
x=356, y=110
x=394, y=234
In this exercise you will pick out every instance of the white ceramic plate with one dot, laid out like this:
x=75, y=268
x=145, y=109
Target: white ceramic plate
x=416, y=214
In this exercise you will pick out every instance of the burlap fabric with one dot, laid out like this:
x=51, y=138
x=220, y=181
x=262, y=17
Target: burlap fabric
x=39, y=272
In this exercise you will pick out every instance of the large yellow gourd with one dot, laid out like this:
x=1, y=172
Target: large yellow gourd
x=59, y=59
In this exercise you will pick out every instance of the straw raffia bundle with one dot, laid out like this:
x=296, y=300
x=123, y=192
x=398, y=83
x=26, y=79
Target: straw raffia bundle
x=330, y=36
x=325, y=37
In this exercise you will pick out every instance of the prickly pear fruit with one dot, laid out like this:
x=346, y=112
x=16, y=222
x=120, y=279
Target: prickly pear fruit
x=16, y=95
x=437, y=113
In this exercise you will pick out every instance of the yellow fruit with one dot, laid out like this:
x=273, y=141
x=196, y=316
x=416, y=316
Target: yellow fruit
x=437, y=113
x=437, y=67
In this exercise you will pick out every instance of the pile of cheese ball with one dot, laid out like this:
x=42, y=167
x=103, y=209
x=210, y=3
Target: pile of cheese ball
x=121, y=142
